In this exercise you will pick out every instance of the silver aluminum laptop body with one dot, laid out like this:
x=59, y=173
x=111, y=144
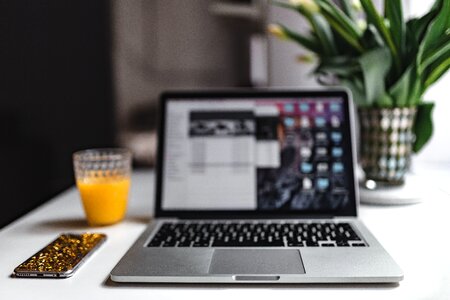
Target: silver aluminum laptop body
x=189, y=128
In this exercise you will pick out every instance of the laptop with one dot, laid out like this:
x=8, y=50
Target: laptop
x=256, y=187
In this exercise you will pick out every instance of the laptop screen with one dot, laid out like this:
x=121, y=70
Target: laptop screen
x=257, y=153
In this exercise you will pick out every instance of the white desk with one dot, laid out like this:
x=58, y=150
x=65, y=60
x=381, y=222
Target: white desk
x=415, y=235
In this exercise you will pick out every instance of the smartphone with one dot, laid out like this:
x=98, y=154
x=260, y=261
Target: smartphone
x=62, y=257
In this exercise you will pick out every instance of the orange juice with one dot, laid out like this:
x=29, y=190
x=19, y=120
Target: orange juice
x=104, y=199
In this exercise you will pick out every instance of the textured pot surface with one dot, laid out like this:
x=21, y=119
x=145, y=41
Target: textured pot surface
x=386, y=143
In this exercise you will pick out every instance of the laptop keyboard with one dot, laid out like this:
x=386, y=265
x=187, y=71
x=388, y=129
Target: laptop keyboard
x=256, y=234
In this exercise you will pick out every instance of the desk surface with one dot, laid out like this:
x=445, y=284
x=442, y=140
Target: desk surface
x=415, y=235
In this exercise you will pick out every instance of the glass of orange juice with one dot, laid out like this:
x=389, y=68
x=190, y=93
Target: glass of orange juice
x=103, y=180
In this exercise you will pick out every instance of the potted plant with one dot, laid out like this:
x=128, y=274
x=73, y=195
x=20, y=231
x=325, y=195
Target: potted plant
x=387, y=62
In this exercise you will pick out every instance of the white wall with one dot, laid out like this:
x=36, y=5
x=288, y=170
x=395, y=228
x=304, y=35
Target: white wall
x=284, y=69
x=167, y=44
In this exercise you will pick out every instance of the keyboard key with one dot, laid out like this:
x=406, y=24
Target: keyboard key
x=342, y=244
x=201, y=244
x=312, y=244
x=155, y=243
x=169, y=244
x=295, y=244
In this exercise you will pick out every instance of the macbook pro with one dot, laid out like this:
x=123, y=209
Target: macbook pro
x=256, y=187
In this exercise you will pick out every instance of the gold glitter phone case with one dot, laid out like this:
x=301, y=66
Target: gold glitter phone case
x=62, y=257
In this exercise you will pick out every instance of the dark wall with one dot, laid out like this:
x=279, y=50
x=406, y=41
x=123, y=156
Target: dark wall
x=55, y=95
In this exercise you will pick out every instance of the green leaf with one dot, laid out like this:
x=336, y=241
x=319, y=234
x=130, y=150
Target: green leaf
x=423, y=125
x=415, y=32
x=335, y=70
x=371, y=38
x=394, y=14
x=348, y=38
x=343, y=47
x=375, y=64
x=342, y=66
x=385, y=101
x=418, y=26
x=374, y=18
x=415, y=90
x=340, y=60
x=309, y=42
x=324, y=34
x=437, y=73
x=342, y=24
x=356, y=85
x=438, y=54
x=438, y=27
x=348, y=9
x=400, y=91
x=338, y=70
x=329, y=8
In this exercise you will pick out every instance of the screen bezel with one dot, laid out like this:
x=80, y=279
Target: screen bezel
x=248, y=94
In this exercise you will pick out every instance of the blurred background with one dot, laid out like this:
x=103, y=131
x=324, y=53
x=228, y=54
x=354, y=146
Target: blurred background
x=87, y=74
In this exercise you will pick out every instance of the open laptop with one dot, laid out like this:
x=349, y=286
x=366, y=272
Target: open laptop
x=256, y=186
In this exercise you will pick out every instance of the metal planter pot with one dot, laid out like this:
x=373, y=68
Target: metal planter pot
x=386, y=143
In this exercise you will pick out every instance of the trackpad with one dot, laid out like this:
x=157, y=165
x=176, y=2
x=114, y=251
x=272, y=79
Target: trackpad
x=255, y=261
